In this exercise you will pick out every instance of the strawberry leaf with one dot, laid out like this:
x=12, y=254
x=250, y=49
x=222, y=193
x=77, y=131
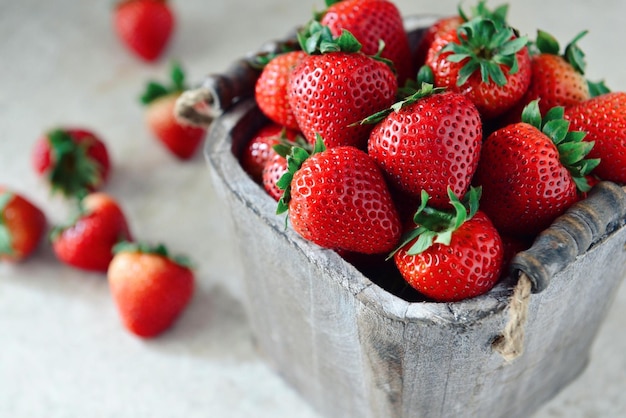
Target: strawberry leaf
x=155, y=90
x=546, y=43
x=597, y=88
x=532, y=115
x=316, y=38
x=155, y=249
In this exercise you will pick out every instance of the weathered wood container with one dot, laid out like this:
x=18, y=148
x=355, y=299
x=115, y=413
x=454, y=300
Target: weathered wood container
x=354, y=349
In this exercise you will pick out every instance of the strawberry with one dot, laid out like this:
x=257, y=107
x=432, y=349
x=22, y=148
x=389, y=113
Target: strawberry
x=22, y=226
x=532, y=171
x=557, y=79
x=603, y=118
x=271, y=88
x=259, y=149
x=87, y=242
x=372, y=21
x=430, y=141
x=144, y=26
x=274, y=169
x=337, y=86
x=74, y=161
x=150, y=288
x=485, y=60
x=181, y=139
x=337, y=198
x=451, y=255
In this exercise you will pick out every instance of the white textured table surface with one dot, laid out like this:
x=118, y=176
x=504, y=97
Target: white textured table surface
x=63, y=351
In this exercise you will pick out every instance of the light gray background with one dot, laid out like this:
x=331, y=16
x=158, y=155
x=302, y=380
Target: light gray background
x=63, y=352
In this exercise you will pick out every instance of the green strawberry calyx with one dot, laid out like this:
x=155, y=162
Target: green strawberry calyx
x=295, y=158
x=6, y=247
x=155, y=90
x=73, y=172
x=413, y=95
x=572, y=149
x=316, y=38
x=485, y=45
x=156, y=249
x=481, y=10
x=548, y=44
x=436, y=226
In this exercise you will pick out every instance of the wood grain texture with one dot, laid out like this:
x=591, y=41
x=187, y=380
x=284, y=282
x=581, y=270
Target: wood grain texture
x=353, y=349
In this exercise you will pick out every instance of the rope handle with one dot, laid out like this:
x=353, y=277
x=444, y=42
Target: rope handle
x=570, y=236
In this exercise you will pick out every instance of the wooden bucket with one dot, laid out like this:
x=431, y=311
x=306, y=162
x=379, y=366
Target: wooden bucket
x=354, y=349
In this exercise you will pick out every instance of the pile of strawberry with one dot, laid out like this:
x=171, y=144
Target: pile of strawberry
x=442, y=160
x=150, y=286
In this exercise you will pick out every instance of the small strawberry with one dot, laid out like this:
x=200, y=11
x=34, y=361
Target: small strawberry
x=144, y=26
x=337, y=198
x=260, y=148
x=73, y=161
x=532, y=171
x=180, y=139
x=372, y=21
x=150, y=288
x=87, y=242
x=485, y=60
x=337, y=86
x=603, y=118
x=270, y=89
x=430, y=141
x=451, y=255
x=274, y=169
x=22, y=226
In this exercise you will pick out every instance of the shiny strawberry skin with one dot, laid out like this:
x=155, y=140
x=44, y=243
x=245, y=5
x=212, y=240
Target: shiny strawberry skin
x=468, y=267
x=603, y=118
x=181, y=140
x=339, y=200
x=274, y=169
x=144, y=26
x=259, y=149
x=150, y=291
x=87, y=243
x=555, y=82
x=22, y=225
x=525, y=186
x=441, y=26
x=332, y=92
x=371, y=21
x=430, y=145
x=271, y=88
x=46, y=159
x=490, y=99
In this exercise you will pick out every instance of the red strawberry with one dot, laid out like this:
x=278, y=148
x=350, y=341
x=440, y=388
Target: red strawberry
x=484, y=60
x=180, y=139
x=451, y=256
x=373, y=21
x=150, y=288
x=144, y=26
x=330, y=92
x=532, y=171
x=259, y=150
x=271, y=88
x=88, y=241
x=603, y=118
x=557, y=80
x=337, y=198
x=274, y=169
x=430, y=141
x=22, y=226
x=73, y=161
